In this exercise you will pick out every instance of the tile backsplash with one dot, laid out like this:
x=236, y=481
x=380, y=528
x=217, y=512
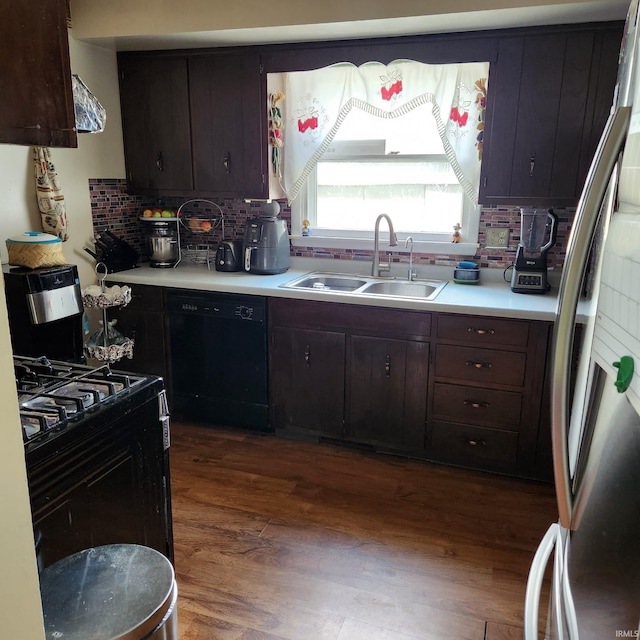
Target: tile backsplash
x=114, y=209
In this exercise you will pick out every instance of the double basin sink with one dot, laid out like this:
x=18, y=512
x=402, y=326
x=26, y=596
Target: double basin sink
x=368, y=286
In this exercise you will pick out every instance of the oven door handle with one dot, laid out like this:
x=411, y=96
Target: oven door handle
x=164, y=418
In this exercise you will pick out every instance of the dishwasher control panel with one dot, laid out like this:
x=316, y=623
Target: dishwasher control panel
x=230, y=306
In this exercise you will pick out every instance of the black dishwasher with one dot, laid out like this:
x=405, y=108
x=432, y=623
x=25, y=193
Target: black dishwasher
x=218, y=357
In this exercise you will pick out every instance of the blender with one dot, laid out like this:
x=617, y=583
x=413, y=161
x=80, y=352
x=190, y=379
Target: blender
x=537, y=235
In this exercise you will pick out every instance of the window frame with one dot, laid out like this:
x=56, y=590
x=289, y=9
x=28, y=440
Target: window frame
x=436, y=243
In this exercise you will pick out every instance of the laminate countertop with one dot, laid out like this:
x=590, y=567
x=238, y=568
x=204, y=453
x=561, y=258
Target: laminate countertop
x=491, y=297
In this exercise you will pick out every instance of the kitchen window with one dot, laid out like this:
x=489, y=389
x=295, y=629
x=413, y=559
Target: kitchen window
x=387, y=156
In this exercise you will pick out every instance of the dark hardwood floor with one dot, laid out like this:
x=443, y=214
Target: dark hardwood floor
x=278, y=539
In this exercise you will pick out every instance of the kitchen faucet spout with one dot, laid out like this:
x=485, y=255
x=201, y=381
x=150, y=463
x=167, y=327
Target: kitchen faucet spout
x=411, y=274
x=376, y=267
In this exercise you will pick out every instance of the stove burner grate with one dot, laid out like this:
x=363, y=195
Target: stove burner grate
x=51, y=394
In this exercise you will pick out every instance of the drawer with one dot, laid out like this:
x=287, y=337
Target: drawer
x=351, y=318
x=470, y=405
x=482, y=330
x=476, y=447
x=488, y=366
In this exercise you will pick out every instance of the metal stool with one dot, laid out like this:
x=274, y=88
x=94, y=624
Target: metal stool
x=114, y=592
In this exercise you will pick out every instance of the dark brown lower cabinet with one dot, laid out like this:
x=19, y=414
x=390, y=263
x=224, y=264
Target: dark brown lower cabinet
x=349, y=373
x=307, y=380
x=143, y=321
x=450, y=388
x=486, y=394
x=387, y=398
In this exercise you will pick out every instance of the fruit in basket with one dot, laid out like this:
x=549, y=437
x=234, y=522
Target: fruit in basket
x=205, y=226
x=157, y=213
x=167, y=213
x=147, y=213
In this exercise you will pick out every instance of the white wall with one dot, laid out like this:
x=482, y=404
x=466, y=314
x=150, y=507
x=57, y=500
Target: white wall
x=20, y=609
x=97, y=156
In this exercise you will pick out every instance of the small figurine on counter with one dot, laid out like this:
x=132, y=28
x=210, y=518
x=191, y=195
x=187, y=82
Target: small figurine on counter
x=306, y=230
x=456, y=233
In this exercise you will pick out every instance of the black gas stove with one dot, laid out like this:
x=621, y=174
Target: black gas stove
x=54, y=394
x=97, y=457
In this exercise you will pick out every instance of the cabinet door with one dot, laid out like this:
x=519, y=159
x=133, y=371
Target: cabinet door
x=544, y=112
x=154, y=93
x=307, y=378
x=228, y=105
x=387, y=392
x=35, y=83
x=143, y=321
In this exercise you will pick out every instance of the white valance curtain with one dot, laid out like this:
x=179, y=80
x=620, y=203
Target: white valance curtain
x=317, y=102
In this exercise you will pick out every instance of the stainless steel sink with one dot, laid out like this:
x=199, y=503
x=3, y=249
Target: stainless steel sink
x=365, y=286
x=404, y=289
x=327, y=282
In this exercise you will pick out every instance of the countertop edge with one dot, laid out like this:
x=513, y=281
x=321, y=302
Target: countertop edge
x=494, y=299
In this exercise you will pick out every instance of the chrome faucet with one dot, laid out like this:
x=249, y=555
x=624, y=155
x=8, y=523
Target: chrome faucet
x=376, y=267
x=411, y=274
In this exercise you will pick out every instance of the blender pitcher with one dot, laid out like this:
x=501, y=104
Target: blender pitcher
x=533, y=230
x=537, y=235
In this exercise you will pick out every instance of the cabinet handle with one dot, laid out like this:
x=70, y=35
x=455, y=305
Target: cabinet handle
x=479, y=365
x=480, y=332
x=307, y=356
x=476, y=405
x=474, y=443
x=532, y=164
x=387, y=366
x=159, y=161
x=227, y=163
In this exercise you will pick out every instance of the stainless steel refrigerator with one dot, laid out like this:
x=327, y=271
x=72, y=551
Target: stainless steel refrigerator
x=593, y=552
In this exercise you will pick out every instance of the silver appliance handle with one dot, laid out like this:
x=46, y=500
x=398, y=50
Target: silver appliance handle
x=534, y=582
x=579, y=244
x=552, y=232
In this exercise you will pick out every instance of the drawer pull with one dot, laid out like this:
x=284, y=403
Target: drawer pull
x=307, y=356
x=387, y=366
x=476, y=405
x=479, y=365
x=481, y=332
x=159, y=161
x=474, y=443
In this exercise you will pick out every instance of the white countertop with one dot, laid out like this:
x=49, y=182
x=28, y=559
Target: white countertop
x=492, y=297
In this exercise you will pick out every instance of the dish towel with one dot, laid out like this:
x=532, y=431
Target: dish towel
x=51, y=203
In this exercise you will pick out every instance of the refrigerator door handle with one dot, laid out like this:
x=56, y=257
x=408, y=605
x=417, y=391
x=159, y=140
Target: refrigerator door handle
x=579, y=244
x=534, y=582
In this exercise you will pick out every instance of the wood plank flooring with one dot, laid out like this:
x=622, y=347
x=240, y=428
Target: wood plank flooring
x=284, y=540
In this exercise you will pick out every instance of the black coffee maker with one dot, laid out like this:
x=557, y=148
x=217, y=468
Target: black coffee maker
x=537, y=235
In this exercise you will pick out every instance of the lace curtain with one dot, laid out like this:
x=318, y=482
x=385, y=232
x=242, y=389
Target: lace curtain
x=317, y=102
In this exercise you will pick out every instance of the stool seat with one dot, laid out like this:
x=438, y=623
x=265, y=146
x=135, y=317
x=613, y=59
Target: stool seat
x=112, y=592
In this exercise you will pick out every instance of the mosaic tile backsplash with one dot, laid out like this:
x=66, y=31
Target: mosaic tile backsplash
x=114, y=209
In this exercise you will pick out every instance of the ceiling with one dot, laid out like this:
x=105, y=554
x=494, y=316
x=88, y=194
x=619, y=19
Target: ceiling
x=562, y=13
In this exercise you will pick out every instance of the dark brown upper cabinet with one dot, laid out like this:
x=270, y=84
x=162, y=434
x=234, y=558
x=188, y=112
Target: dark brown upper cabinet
x=228, y=112
x=154, y=93
x=194, y=124
x=35, y=83
x=549, y=98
